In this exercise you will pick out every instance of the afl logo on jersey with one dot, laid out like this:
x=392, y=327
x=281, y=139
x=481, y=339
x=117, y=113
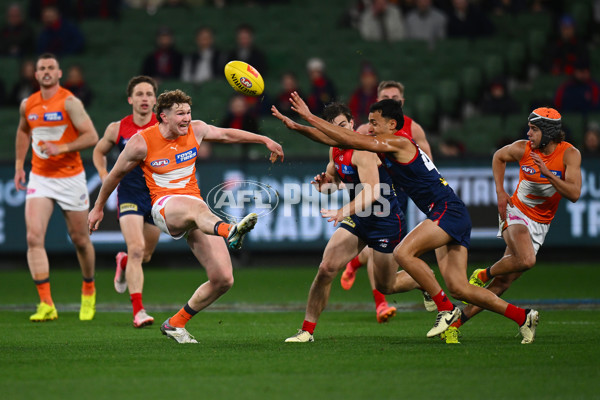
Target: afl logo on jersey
x=528, y=170
x=32, y=117
x=53, y=116
x=246, y=82
x=160, y=163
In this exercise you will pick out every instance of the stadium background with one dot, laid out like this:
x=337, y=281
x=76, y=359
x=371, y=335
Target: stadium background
x=444, y=84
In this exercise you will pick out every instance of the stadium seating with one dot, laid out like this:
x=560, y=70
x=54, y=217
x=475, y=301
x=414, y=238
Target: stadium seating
x=439, y=79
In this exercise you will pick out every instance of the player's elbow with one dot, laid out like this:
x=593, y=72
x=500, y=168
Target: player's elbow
x=574, y=196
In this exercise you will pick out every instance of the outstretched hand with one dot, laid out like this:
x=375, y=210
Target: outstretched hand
x=334, y=215
x=323, y=183
x=300, y=106
x=288, y=122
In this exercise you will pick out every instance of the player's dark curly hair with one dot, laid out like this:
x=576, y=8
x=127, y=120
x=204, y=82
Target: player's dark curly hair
x=167, y=99
x=390, y=109
x=140, y=79
x=332, y=110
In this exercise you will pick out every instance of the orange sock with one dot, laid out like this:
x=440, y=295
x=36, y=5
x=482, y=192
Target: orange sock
x=88, y=287
x=457, y=324
x=182, y=317
x=43, y=288
x=483, y=276
x=222, y=229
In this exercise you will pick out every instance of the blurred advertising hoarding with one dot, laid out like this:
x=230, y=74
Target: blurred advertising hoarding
x=289, y=207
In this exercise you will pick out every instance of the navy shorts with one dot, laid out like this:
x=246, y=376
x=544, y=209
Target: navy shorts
x=134, y=201
x=382, y=234
x=453, y=217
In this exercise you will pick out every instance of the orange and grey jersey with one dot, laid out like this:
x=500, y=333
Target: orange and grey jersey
x=50, y=122
x=170, y=165
x=535, y=196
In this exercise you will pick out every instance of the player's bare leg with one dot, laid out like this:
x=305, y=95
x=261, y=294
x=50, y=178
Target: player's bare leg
x=340, y=249
x=388, y=279
x=520, y=255
x=212, y=253
x=141, y=239
x=424, y=237
x=37, y=215
x=80, y=236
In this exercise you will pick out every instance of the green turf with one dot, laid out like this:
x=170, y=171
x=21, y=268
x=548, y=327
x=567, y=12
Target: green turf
x=241, y=355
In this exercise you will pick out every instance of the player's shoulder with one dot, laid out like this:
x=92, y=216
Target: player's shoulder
x=113, y=128
x=571, y=152
x=199, y=127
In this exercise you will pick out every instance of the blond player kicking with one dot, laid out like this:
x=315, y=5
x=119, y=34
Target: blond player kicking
x=167, y=153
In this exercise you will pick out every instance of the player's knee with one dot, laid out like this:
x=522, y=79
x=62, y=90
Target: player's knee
x=458, y=291
x=402, y=257
x=80, y=239
x=527, y=262
x=223, y=284
x=384, y=287
x=135, y=251
x=328, y=268
x=35, y=239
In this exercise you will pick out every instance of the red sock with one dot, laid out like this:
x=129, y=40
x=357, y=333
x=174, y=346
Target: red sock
x=309, y=326
x=180, y=319
x=457, y=324
x=442, y=302
x=515, y=313
x=354, y=263
x=44, y=292
x=379, y=298
x=88, y=288
x=136, y=302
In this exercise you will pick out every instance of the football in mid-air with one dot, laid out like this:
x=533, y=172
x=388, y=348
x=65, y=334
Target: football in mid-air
x=244, y=78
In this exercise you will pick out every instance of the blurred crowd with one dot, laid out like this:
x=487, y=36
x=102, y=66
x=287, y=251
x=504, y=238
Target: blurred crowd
x=37, y=26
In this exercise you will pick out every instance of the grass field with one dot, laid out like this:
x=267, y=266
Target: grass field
x=241, y=354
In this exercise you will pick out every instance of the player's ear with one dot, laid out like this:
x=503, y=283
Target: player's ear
x=130, y=100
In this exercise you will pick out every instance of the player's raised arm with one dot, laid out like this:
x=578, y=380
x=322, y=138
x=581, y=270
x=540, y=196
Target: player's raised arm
x=310, y=132
x=211, y=133
x=343, y=137
x=134, y=152
x=104, y=145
